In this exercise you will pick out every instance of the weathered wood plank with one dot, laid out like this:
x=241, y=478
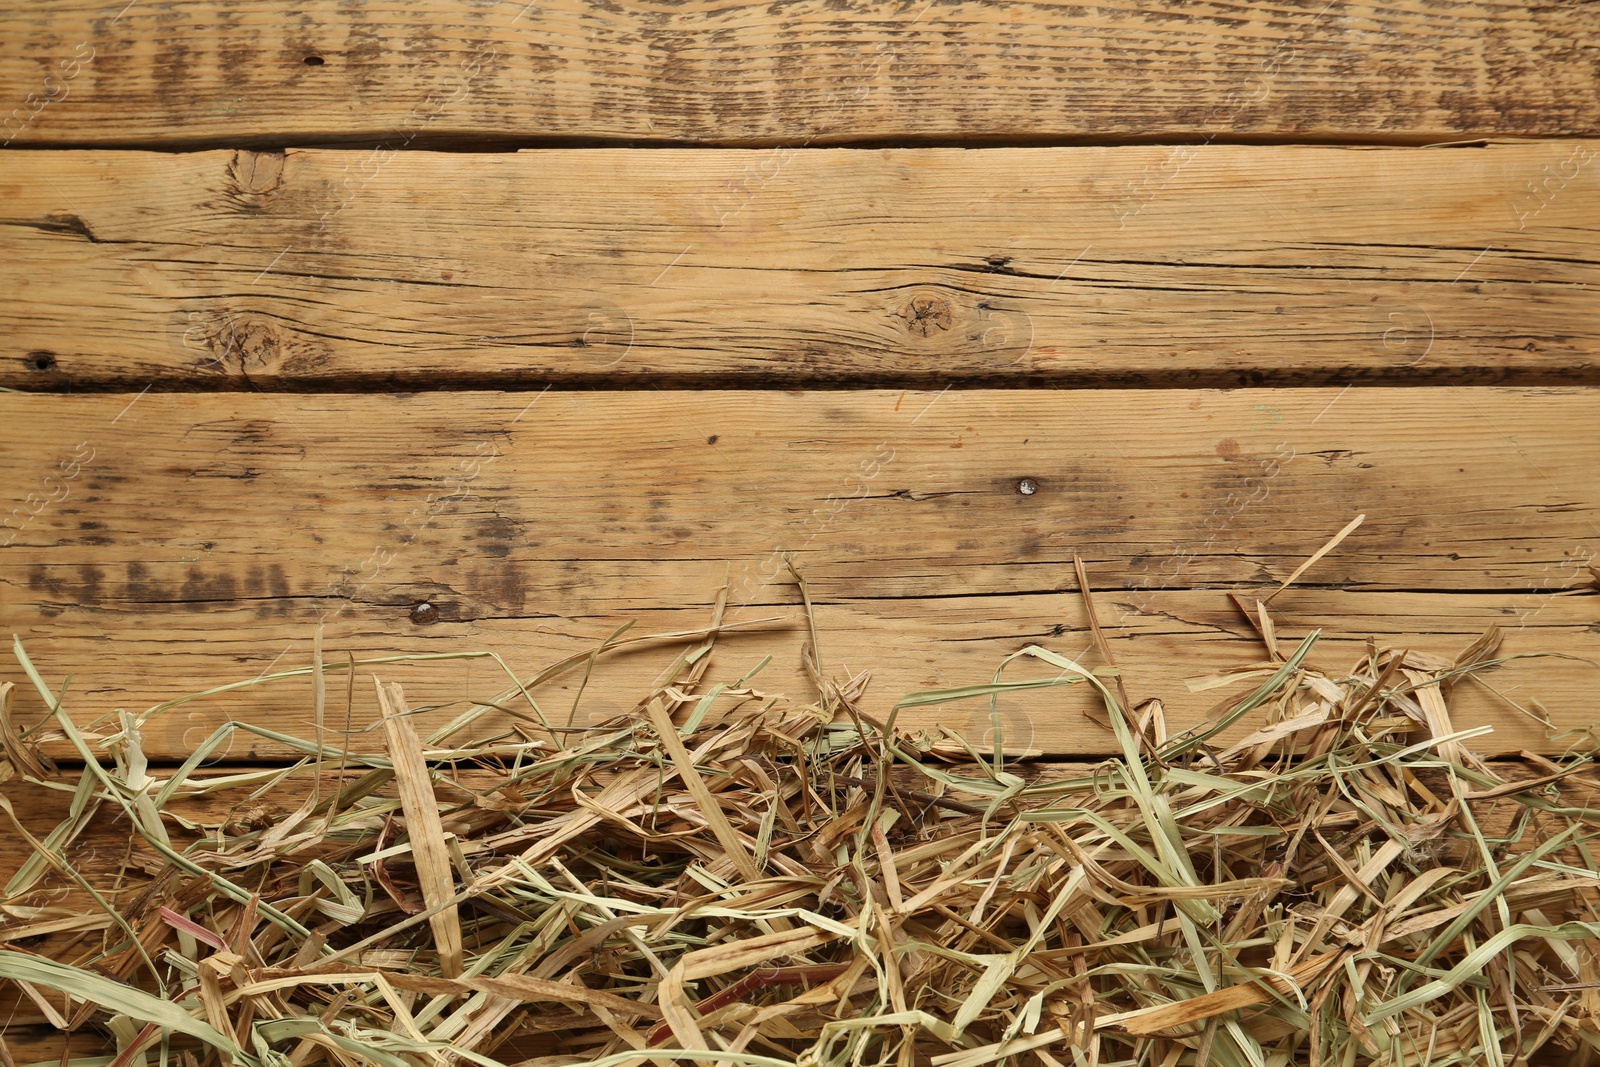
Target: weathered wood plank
x=83, y=72
x=880, y=493
x=1218, y=265
x=175, y=541
x=43, y=1044
x=140, y=655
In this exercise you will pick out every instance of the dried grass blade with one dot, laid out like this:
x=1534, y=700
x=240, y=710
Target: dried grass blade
x=423, y=825
x=1100, y=641
x=22, y=756
x=1153, y=1020
x=731, y=843
x=93, y=988
x=1318, y=554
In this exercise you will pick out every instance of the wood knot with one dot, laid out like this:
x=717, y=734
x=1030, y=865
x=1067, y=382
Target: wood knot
x=253, y=177
x=926, y=314
x=236, y=342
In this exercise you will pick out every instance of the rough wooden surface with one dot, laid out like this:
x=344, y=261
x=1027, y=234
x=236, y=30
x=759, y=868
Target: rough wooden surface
x=39, y=1044
x=1217, y=265
x=821, y=71
x=192, y=538
x=157, y=543
x=143, y=654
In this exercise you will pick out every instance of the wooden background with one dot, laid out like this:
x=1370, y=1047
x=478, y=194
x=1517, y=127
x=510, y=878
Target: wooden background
x=556, y=316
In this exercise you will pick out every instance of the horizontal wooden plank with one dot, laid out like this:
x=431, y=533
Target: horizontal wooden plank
x=137, y=657
x=82, y=72
x=44, y=1044
x=1217, y=265
x=168, y=542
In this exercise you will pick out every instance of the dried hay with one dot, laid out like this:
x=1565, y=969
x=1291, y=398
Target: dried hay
x=724, y=875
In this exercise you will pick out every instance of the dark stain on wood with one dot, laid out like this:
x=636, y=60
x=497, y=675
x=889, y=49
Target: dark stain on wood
x=89, y=578
x=497, y=535
x=140, y=588
x=200, y=589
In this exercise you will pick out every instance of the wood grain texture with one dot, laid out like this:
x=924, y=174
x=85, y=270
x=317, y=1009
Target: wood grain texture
x=177, y=541
x=44, y=1044
x=1216, y=265
x=82, y=72
x=143, y=655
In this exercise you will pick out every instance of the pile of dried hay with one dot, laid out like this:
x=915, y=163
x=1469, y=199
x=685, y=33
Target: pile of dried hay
x=722, y=875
